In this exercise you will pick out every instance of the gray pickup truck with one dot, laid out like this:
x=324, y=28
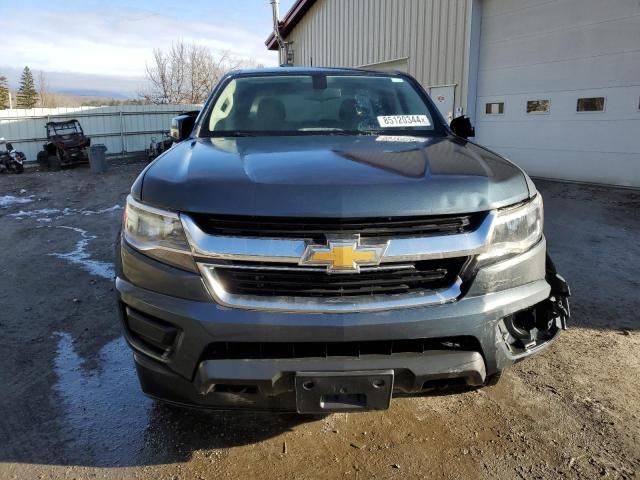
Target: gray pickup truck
x=320, y=240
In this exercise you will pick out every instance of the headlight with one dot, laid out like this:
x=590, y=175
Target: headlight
x=157, y=233
x=516, y=230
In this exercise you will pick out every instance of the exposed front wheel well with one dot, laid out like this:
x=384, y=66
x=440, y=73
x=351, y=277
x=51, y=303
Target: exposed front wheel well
x=493, y=379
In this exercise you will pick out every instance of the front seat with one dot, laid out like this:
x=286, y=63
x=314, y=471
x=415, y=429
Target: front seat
x=349, y=114
x=270, y=115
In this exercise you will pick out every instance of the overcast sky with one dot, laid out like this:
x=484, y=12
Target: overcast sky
x=113, y=39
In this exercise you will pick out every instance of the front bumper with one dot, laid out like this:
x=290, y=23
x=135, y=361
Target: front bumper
x=185, y=374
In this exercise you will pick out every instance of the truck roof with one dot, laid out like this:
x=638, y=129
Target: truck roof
x=311, y=71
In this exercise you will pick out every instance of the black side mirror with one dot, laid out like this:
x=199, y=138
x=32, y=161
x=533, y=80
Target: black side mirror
x=182, y=125
x=9, y=147
x=462, y=127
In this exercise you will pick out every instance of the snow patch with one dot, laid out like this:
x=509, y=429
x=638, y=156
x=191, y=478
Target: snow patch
x=79, y=256
x=45, y=214
x=100, y=212
x=8, y=200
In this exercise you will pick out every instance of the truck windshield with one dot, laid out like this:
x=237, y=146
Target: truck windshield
x=318, y=104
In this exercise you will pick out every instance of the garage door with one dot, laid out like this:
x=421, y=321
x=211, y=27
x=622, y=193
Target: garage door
x=559, y=87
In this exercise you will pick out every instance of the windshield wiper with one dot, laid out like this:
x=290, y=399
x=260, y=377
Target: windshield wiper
x=233, y=133
x=336, y=132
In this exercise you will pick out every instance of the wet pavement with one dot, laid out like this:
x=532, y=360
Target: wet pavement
x=72, y=407
x=108, y=422
x=104, y=416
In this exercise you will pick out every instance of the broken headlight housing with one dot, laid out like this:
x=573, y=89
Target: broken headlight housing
x=516, y=230
x=157, y=234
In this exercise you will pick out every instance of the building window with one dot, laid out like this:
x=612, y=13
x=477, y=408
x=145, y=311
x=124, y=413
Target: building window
x=591, y=104
x=538, y=106
x=495, y=108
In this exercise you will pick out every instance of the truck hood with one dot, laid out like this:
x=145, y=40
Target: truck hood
x=330, y=176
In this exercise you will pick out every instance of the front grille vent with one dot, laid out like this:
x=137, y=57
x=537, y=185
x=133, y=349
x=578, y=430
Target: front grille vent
x=317, y=228
x=149, y=333
x=404, y=278
x=276, y=350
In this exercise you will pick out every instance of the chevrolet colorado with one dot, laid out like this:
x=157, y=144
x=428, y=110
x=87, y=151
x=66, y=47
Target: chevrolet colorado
x=320, y=240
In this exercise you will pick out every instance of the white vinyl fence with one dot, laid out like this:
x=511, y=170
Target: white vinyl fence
x=122, y=129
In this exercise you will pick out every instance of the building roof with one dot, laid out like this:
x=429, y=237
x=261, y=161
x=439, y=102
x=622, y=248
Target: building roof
x=290, y=20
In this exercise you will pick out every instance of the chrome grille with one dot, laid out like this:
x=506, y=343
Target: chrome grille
x=255, y=271
x=318, y=228
x=293, y=281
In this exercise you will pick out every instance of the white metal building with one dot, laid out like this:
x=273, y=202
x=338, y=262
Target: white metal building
x=552, y=84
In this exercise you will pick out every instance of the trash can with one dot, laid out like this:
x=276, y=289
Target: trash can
x=97, y=158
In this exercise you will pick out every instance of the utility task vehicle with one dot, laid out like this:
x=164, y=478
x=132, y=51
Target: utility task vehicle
x=320, y=240
x=66, y=145
x=158, y=146
x=168, y=139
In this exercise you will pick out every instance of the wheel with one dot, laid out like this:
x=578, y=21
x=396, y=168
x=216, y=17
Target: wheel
x=63, y=160
x=54, y=163
x=19, y=168
x=43, y=159
x=492, y=380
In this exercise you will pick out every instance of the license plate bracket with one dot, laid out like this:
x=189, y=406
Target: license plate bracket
x=325, y=392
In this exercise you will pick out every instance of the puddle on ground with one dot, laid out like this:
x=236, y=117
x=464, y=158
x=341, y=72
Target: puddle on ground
x=106, y=421
x=105, y=413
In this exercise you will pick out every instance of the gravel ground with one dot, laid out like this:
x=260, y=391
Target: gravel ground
x=71, y=406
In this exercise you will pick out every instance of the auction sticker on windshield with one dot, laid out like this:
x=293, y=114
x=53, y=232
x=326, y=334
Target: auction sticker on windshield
x=390, y=121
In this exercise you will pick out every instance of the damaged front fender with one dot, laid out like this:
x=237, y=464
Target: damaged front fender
x=560, y=293
x=532, y=330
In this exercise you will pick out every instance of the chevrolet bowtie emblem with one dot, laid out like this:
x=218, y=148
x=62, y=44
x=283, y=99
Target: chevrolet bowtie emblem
x=343, y=255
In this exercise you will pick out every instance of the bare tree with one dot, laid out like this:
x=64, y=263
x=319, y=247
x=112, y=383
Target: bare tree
x=186, y=73
x=159, y=75
x=45, y=98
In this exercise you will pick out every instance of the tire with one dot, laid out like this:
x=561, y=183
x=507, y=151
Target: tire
x=43, y=160
x=19, y=168
x=54, y=163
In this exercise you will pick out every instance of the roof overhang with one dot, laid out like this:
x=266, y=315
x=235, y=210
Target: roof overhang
x=290, y=20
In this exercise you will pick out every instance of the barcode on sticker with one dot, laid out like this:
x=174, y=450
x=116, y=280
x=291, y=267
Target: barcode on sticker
x=390, y=121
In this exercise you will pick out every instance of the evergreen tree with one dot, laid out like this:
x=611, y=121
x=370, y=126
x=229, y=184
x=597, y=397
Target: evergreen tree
x=27, y=95
x=4, y=93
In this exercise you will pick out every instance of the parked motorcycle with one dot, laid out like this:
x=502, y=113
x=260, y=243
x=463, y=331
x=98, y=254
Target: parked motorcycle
x=11, y=161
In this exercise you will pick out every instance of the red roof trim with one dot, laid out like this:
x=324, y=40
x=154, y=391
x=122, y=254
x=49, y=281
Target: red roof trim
x=290, y=20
